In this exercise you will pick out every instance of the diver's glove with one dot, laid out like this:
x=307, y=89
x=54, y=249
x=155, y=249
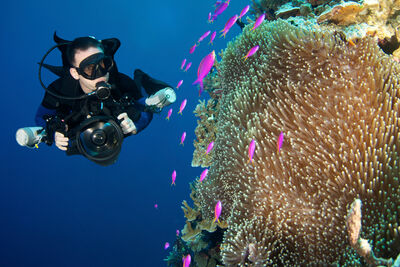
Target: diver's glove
x=127, y=125
x=161, y=98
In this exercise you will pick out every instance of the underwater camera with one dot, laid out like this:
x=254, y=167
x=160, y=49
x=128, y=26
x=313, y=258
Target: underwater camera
x=98, y=138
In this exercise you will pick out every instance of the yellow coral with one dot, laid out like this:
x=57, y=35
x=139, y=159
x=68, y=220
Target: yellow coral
x=205, y=132
x=341, y=14
x=190, y=213
x=208, y=225
x=188, y=233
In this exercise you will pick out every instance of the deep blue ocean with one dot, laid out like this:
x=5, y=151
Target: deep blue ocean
x=58, y=210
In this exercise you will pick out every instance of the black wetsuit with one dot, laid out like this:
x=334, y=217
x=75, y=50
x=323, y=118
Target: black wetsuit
x=124, y=88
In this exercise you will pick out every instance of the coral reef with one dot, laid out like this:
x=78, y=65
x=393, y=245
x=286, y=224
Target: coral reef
x=190, y=214
x=207, y=114
x=341, y=14
x=205, y=131
x=380, y=19
x=337, y=101
x=287, y=10
x=262, y=6
x=201, y=237
x=194, y=219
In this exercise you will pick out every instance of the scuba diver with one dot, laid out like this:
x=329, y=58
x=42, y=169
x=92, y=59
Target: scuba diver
x=92, y=107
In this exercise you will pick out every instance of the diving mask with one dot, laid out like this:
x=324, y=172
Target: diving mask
x=95, y=66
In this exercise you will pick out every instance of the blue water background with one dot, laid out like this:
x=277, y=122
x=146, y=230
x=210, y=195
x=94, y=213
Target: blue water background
x=67, y=211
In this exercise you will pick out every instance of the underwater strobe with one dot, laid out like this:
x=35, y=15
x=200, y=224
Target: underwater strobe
x=30, y=136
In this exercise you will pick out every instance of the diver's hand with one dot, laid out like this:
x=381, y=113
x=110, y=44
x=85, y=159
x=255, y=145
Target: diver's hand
x=61, y=141
x=127, y=125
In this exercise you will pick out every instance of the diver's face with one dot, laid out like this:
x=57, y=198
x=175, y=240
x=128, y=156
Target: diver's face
x=87, y=85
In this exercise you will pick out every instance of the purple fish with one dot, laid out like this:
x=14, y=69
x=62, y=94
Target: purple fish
x=219, y=9
x=169, y=114
x=229, y=25
x=209, y=18
x=173, y=176
x=204, y=68
x=212, y=37
x=183, y=63
x=217, y=211
x=243, y=12
x=203, y=175
x=179, y=84
x=166, y=246
x=177, y=232
x=251, y=52
x=192, y=49
x=182, y=107
x=183, y=138
x=258, y=22
x=186, y=260
x=252, y=147
x=188, y=66
x=207, y=33
x=209, y=147
x=279, y=143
